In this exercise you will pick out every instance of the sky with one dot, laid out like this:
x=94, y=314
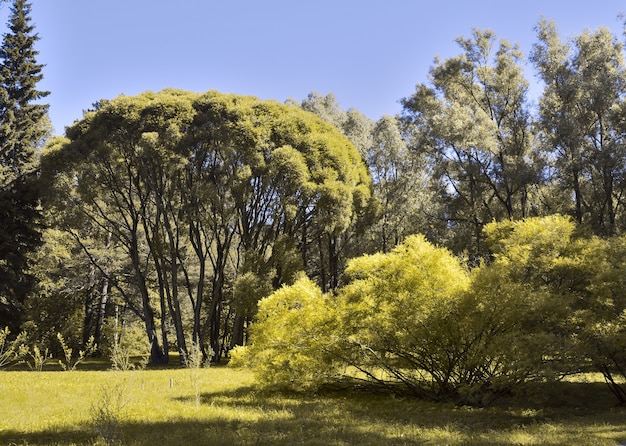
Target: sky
x=369, y=53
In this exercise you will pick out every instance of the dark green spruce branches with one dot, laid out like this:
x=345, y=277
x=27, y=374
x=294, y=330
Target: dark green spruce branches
x=23, y=127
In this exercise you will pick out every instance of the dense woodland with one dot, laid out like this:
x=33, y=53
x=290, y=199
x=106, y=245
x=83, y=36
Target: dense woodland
x=472, y=243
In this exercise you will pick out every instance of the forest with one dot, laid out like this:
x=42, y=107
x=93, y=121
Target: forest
x=472, y=244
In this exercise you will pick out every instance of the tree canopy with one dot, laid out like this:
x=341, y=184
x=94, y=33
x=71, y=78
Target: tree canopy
x=192, y=187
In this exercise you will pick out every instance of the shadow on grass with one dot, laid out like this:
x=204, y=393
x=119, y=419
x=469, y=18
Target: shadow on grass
x=246, y=416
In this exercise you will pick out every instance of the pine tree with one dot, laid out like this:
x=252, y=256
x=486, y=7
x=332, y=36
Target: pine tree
x=23, y=128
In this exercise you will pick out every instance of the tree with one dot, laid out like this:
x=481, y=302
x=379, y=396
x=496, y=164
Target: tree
x=194, y=187
x=81, y=270
x=400, y=180
x=404, y=202
x=582, y=113
x=23, y=129
x=333, y=250
x=354, y=125
x=473, y=125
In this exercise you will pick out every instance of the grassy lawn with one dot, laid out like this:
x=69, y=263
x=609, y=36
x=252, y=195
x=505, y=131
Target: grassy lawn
x=220, y=406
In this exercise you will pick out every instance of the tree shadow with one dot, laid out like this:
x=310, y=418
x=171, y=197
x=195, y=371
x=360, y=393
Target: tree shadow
x=247, y=416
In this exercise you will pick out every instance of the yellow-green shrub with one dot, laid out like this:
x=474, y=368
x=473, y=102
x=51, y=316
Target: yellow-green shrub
x=292, y=338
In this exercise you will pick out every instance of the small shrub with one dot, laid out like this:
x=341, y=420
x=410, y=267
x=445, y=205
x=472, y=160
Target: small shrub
x=38, y=358
x=125, y=345
x=70, y=362
x=121, y=354
x=107, y=412
x=292, y=339
x=196, y=361
x=12, y=351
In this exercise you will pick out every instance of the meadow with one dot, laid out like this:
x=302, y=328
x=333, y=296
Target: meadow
x=223, y=406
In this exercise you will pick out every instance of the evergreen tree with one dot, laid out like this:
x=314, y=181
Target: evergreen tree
x=23, y=128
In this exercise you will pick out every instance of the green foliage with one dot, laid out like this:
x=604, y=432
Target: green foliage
x=198, y=359
x=601, y=319
x=550, y=304
x=472, y=123
x=564, y=311
x=20, y=237
x=355, y=126
x=292, y=340
x=24, y=118
x=391, y=325
x=38, y=358
x=176, y=192
x=526, y=296
x=23, y=129
x=127, y=349
x=400, y=183
x=581, y=114
x=109, y=410
x=253, y=284
x=397, y=318
x=58, y=306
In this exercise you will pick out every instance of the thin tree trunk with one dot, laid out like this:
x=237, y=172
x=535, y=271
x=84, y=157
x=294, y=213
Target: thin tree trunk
x=156, y=354
x=102, y=307
x=88, y=323
x=323, y=282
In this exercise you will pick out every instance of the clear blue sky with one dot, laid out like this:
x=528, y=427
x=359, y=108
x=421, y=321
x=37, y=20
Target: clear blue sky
x=370, y=54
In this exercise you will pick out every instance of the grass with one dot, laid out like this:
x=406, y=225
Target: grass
x=160, y=407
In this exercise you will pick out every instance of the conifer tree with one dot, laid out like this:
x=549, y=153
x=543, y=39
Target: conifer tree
x=23, y=128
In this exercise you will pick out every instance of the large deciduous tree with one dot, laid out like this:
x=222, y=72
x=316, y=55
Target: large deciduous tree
x=473, y=124
x=23, y=128
x=404, y=203
x=332, y=250
x=400, y=177
x=205, y=194
x=582, y=112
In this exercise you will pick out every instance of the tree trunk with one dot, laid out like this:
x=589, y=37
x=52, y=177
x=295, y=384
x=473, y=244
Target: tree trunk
x=102, y=307
x=156, y=354
x=88, y=323
x=238, y=330
x=578, y=199
x=323, y=283
x=333, y=262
